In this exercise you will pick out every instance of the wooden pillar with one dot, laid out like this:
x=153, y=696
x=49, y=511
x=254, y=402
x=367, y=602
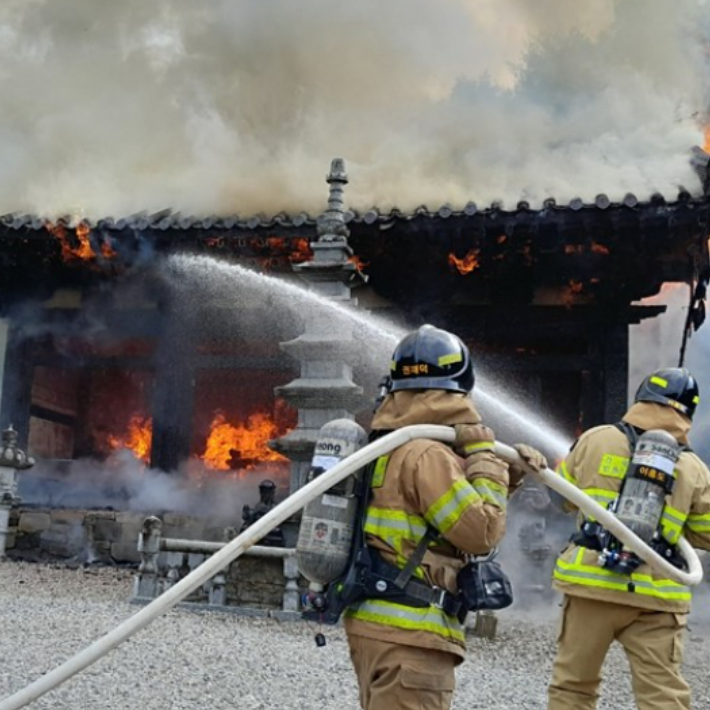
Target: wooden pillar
x=16, y=384
x=173, y=399
x=615, y=354
x=592, y=396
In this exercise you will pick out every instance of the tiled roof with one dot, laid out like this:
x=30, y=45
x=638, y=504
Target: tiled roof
x=175, y=220
x=170, y=219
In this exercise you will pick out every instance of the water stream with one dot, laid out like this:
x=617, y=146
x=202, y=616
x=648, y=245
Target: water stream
x=196, y=280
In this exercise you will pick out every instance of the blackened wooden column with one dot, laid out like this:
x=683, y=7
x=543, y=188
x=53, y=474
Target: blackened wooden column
x=324, y=390
x=615, y=354
x=16, y=383
x=173, y=393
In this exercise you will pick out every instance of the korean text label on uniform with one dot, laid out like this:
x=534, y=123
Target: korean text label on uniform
x=417, y=369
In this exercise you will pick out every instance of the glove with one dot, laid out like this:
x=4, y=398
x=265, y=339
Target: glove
x=472, y=439
x=532, y=457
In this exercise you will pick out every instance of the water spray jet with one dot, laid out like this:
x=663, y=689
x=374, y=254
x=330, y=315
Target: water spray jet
x=204, y=270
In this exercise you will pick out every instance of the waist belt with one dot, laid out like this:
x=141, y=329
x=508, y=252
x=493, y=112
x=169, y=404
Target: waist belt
x=585, y=539
x=589, y=537
x=383, y=584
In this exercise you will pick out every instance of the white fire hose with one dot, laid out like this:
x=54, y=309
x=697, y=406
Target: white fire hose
x=298, y=500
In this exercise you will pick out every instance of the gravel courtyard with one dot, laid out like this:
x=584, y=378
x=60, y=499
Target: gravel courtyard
x=212, y=661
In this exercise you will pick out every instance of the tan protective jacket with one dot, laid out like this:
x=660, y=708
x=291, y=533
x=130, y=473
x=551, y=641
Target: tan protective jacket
x=596, y=465
x=422, y=484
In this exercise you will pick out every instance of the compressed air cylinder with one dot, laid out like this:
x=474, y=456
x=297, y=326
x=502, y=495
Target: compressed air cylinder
x=650, y=477
x=327, y=525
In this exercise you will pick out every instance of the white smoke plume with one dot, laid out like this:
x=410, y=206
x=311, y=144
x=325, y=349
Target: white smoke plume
x=122, y=482
x=238, y=106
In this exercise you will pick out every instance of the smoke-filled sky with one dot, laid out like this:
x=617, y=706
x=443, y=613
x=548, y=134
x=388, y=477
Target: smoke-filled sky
x=224, y=106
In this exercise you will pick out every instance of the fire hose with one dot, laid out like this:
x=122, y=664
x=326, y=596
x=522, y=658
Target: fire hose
x=298, y=500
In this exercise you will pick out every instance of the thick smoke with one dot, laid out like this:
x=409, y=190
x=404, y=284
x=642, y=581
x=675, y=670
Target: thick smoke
x=238, y=106
x=122, y=482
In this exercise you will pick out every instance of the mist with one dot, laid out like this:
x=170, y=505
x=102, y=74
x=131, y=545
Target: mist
x=236, y=106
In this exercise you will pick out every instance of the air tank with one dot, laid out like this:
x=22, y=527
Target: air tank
x=327, y=525
x=649, y=479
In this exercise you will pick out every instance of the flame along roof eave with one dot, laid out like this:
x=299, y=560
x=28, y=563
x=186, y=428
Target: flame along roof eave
x=168, y=219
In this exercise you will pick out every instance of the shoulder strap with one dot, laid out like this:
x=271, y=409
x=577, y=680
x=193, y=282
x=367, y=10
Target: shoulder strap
x=415, y=558
x=630, y=433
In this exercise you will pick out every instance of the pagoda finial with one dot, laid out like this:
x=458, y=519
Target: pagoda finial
x=331, y=224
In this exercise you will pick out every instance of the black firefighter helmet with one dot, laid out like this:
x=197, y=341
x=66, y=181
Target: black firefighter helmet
x=675, y=387
x=430, y=358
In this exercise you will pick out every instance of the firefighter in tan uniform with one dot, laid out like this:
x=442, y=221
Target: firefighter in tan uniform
x=644, y=612
x=426, y=497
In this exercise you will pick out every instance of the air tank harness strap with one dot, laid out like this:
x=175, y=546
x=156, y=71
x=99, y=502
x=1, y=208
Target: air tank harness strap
x=589, y=536
x=382, y=584
x=385, y=581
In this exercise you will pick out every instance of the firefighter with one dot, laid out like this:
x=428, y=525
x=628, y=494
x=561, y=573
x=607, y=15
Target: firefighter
x=404, y=655
x=644, y=612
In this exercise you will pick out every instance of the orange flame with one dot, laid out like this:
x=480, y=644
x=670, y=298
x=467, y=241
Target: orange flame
x=137, y=439
x=599, y=248
x=277, y=251
x=466, y=265
x=574, y=248
x=295, y=250
x=241, y=446
x=83, y=251
x=359, y=263
x=594, y=248
x=107, y=251
x=706, y=147
x=570, y=293
x=300, y=251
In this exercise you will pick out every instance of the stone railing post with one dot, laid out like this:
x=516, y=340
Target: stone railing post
x=292, y=601
x=12, y=460
x=218, y=590
x=146, y=581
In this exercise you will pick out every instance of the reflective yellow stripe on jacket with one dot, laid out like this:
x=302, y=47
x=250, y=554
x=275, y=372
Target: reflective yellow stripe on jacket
x=394, y=527
x=478, y=446
x=445, y=511
x=431, y=619
x=672, y=522
x=563, y=471
x=699, y=523
x=577, y=572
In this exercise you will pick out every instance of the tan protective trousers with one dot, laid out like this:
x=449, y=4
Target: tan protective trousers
x=652, y=640
x=392, y=676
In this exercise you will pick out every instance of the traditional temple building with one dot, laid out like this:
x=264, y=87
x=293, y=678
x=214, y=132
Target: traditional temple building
x=544, y=297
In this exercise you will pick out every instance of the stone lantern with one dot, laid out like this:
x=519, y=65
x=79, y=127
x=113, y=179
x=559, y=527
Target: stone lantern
x=12, y=460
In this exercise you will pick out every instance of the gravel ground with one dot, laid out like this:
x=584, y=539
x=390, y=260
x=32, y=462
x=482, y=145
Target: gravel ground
x=211, y=661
